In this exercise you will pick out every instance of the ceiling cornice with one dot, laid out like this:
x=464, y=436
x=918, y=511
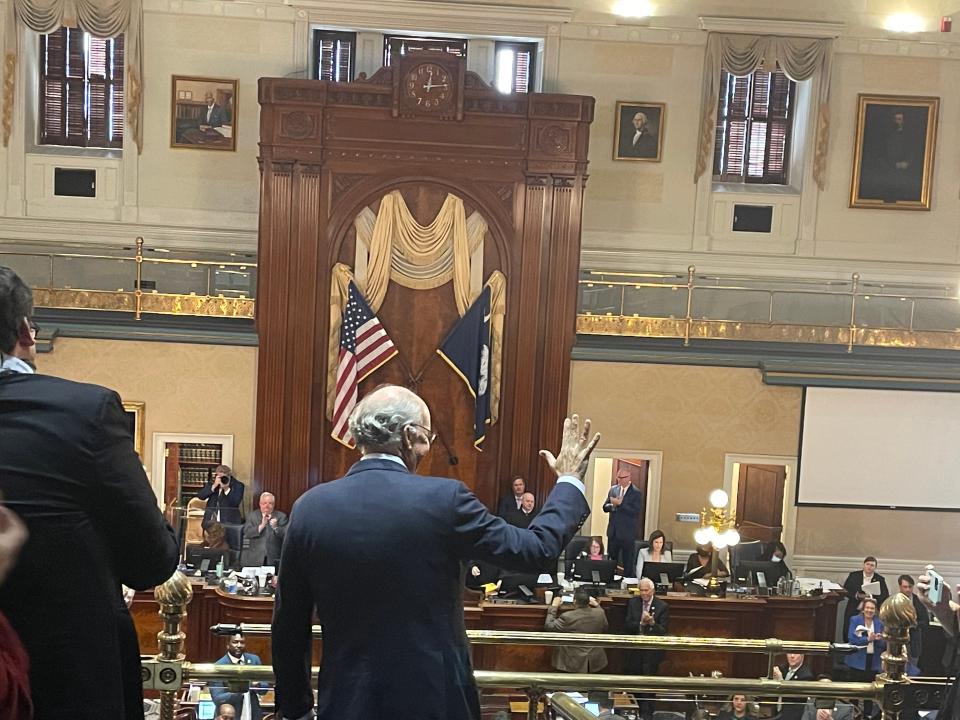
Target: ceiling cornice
x=767, y=26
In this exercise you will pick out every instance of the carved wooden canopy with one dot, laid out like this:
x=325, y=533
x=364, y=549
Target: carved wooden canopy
x=328, y=150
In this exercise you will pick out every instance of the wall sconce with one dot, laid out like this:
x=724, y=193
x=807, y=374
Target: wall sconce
x=904, y=23
x=633, y=8
x=717, y=528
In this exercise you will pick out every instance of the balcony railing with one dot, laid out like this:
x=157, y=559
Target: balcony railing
x=137, y=280
x=696, y=306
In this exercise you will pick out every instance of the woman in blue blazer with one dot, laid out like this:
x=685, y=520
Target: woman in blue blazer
x=865, y=631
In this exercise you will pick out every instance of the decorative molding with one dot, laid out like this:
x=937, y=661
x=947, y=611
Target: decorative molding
x=151, y=303
x=433, y=16
x=767, y=26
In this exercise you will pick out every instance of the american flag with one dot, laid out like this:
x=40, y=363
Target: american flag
x=364, y=346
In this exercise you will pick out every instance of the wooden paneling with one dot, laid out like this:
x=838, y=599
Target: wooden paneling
x=329, y=149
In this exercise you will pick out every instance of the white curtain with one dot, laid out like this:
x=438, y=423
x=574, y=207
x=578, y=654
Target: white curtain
x=740, y=55
x=100, y=18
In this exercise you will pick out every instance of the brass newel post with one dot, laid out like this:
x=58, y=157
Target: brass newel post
x=174, y=596
x=898, y=616
x=137, y=291
x=689, y=319
x=533, y=700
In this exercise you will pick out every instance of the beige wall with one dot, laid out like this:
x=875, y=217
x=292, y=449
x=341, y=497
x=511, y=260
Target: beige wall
x=696, y=415
x=186, y=388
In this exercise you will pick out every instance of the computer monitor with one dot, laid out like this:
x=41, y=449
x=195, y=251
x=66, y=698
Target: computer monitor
x=196, y=555
x=598, y=571
x=747, y=571
x=662, y=573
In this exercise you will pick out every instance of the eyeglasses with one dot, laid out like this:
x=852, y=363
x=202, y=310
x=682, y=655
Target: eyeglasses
x=431, y=435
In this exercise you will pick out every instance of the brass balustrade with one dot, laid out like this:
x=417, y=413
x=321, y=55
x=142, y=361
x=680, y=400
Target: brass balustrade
x=892, y=690
x=137, y=301
x=566, y=707
x=853, y=298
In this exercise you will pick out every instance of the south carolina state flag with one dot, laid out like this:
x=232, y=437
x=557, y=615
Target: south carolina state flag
x=467, y=350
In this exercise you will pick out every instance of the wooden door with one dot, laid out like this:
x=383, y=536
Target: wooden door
x=760, y=501
x=639, y=471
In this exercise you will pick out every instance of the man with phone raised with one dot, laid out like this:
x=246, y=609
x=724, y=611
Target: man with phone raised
x=224, y=495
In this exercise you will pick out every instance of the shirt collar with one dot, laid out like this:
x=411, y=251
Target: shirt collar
x=14, y=364
x=235, y=660
x=383, y=456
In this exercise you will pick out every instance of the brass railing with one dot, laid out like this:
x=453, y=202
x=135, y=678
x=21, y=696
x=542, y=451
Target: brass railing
x=697, y=306
x=137, y=282
x=892, y=690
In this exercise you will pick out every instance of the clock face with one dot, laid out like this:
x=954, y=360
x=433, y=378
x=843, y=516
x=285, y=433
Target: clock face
x=428, y=86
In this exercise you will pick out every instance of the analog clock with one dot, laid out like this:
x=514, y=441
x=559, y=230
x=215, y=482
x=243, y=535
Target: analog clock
x=428, y=86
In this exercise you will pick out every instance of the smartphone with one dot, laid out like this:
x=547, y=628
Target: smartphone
x=936, y=586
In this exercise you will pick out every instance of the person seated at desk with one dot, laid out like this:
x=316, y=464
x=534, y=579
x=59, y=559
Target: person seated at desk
x=777, y=552
x=865, y=631
x=236, y=655
x=698, y=564
x=226, y=711
x=215, y=537
x=586, y=617
x=826, y=708
x=655, y=552
x=596, y=549
x=795, y=669
x=736, y=709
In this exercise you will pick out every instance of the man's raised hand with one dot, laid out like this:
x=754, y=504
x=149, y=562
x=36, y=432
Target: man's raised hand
x=575, y=449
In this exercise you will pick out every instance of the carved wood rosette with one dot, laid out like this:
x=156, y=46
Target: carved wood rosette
x=329, y=150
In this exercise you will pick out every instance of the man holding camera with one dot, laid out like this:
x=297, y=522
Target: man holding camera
x=224, y=495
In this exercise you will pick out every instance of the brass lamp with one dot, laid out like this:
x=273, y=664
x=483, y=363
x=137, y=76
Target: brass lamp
x=717, y=530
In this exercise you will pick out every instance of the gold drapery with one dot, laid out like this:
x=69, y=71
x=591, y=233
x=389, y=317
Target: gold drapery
x=419, y=257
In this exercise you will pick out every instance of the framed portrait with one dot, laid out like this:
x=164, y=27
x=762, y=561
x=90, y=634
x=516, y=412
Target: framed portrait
x=134, y=411
x=203, y=113
x=893, y=152
x=639, y=131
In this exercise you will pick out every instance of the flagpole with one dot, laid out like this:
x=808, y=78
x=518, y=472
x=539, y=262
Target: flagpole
x=413, y=383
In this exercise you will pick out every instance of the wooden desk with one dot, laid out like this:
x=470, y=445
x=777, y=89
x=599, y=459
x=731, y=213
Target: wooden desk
x=787, y=618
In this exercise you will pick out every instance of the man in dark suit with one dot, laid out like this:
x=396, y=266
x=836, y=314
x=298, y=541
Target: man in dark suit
x=263, y=533
x=624, y=503
x=524, y=516
x=237, y=655
x=586, y=617
x=213, y=115
x=915, y=649
x=796, y=668
x=69, y=471
x=224, y=495
x=511, y=503
x=638, y=139
x=646, y=615
x=854, y=587
x=377, y=554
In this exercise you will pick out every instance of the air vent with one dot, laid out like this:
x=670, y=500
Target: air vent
x=71, y=182
x=752, y=218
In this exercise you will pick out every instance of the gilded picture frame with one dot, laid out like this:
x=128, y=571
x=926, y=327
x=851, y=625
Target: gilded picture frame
x=135, y=411
x=638, y=134
x=894, y=151
x=203, y=113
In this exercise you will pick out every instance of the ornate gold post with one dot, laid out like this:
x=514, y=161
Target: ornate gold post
x=174, y=596
x=533, y=700
x=689, y=318
x=137, y=291
x=898, y=616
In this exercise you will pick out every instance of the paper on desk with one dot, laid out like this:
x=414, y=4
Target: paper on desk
x=807, y=584
x=544, y=579
x=872, y=588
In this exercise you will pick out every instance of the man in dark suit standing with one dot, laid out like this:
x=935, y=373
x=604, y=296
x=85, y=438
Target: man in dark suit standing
x=511, y=503
x=624, y=503
x=224, y=495
x=69, y=471
x=400, y=651
x=854, y=587
x=263, y=533
x=524, y=516
x=646, y=615
x=796, y=668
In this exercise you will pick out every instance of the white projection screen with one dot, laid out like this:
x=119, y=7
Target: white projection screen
x=880, y=448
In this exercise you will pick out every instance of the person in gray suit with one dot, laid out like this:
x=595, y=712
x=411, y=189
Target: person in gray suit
x=586, y=617
x=263, y=533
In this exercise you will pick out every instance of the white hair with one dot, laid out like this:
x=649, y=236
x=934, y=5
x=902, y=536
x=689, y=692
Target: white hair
x=646, y=582
x=377, y=422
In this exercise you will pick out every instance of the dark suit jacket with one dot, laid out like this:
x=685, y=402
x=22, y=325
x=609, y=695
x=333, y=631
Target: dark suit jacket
x=793, y=707
x=624, y=519
x=631, y=626
x=228, y=505
x=507, y=504
x=578, y=659
x=220, y=694
x=217, y=117
x=852, y=585
x=378, y=553
x=520, y=519
x=858, y=660
x=68, y=469
x=262, y=548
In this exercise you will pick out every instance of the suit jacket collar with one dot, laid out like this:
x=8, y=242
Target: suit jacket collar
x=377, y=464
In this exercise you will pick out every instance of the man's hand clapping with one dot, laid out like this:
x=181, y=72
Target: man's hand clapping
x=575, y=449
